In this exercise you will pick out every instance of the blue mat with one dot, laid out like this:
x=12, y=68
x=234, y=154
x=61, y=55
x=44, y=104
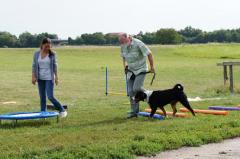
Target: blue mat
x=155, y=116
x=28, y=115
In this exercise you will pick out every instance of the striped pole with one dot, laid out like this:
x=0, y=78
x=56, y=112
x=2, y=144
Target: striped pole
x=106, y=80
x=126, y=84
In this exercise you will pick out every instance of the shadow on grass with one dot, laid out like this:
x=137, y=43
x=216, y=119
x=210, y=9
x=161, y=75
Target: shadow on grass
x=114, y=121
x=20, y=124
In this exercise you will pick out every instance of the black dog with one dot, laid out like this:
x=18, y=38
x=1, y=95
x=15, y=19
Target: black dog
x=163, y=97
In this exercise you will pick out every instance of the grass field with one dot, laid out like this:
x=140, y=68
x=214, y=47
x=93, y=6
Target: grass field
x=97, y=126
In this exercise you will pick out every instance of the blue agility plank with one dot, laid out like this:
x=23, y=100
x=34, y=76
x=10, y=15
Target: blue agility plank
x=28, y=115
x=155, y=116
x=223, y=108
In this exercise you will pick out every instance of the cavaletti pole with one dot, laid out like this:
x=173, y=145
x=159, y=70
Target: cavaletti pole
x=214, y=112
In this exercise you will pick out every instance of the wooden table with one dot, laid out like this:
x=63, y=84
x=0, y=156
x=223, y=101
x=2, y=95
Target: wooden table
x=225, y=72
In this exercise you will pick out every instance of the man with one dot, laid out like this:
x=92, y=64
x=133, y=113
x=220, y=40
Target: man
x=135, y=54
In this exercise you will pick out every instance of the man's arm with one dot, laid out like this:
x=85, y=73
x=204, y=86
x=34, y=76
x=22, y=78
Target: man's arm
x=151, y=62
x=147, y=52
x=125, y=65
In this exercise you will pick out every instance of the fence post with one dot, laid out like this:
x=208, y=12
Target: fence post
x=231, y=77
x=225, y=77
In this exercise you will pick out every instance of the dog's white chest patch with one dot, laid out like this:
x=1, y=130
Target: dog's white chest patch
x=148, y=93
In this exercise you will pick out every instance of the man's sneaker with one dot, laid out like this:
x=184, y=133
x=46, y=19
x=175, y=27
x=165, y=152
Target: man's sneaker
x=132, y=115
x=63, y=114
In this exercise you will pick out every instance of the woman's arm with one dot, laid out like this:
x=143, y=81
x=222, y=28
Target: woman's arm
x=34, y=78
x=55, y=69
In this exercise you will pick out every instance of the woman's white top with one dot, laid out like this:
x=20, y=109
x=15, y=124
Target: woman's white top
x=44, y=68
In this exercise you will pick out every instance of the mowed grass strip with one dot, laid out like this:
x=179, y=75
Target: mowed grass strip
x=97, y=126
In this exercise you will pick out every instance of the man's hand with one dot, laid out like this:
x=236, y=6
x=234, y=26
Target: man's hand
x=126, y=69
x=125, y=65
x=150, y=59
x=152, y=70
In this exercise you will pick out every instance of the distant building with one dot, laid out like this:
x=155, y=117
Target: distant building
x=59, y=42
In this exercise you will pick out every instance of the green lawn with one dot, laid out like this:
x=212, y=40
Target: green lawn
x=97, y=126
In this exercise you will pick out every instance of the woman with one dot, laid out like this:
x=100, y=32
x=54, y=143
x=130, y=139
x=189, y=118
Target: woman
x=44, y=72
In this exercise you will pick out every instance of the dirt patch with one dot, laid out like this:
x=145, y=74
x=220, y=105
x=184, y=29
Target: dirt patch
x=197, y=99
x=9, y=102
x=228, y=149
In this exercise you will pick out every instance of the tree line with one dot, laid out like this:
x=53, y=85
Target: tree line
x=25, y=39
x=162, y=36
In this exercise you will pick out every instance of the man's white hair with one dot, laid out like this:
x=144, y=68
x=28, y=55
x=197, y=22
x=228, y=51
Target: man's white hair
x=119, y=34
x=124, y=34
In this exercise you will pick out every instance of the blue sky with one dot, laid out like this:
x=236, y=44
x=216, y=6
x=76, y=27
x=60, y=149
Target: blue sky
x=75, y=17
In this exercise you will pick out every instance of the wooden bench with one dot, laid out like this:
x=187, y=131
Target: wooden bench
x=225, y=72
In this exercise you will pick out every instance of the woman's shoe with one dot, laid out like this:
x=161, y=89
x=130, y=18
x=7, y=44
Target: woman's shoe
x=63, y=114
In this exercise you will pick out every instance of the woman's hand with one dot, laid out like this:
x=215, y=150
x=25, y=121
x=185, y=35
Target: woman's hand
x=56, y=80
x=34, y=80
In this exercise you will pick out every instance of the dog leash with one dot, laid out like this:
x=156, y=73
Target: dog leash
x=153, y=78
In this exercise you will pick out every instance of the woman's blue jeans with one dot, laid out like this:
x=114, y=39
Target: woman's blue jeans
x=46, y=87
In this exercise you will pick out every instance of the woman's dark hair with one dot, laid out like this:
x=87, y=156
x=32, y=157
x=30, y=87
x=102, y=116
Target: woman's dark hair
x=47, y=41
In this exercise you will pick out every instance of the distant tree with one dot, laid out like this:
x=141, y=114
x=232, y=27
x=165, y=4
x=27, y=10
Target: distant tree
x=79, y=41
x=190, y=32
x=235, y=35
x=191, y=35
x=93, y=39
x=168, y=36
x=200, y=38
x=149, y=38
x=220, y=36
x=217, y=36
x=228, y=36
x=98, y=38
x=70, y=41
x=162, y=36
x=41, y=36
x=26, y=39
x=111, y=39
x=8, y=40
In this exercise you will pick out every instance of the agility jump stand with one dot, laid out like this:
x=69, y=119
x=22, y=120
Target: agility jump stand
x=225, y=73
x=107, y=86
